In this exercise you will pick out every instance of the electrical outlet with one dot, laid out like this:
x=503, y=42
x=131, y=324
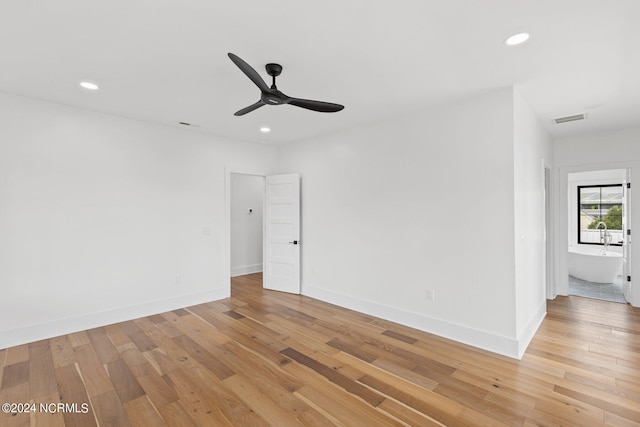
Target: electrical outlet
x=429, y=294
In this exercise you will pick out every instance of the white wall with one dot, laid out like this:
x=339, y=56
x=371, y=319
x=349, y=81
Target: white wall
x=618, y=149
x=104, y=218
x=532, y=153
x=247, y=193
x=423, y=202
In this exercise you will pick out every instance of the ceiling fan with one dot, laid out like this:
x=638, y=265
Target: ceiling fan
x=272, y=96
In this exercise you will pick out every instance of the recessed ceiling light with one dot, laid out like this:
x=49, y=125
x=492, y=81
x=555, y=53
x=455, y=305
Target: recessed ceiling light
x=89, y=85
x=265, y=130
x=517, y=39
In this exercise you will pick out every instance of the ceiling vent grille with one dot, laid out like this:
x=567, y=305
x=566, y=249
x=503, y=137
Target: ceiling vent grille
x=567, y=119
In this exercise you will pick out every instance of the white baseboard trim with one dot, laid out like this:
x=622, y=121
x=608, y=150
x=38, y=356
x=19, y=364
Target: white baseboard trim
x=246, y=269
x=481, y=339
x=31, y=333
x=525, y=337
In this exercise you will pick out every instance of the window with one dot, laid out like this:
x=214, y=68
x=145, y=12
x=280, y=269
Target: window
x=599, y=203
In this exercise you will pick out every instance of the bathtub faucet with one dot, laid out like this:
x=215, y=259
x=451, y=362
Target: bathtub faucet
x=605, y=237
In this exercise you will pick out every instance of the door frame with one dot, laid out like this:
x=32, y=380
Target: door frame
x=548, y=246
x=227, y=215
x=627, y=252
x=561, y=209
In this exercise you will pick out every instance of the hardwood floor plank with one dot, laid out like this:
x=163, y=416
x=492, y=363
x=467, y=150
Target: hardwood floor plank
x=496, y=388
x=474, y=398
x=142, y=341
x=207, y=313
x=399, y=336
x=234, y=314
x=79, y=339
x=123, y=380
x=203, y=357
x=354, y=350
x=15, y=374
x=62, y=351
x=105, y=349
x=175, y=415
x=615, y=420
x=333, y=402
x=142, y=413
x=168, y=329
x=137, y=363
x=42, y=375
x=53, y=418
x=364, y=393
x=158, y=390
x=16, y=394
x=258, y=342
x=571, y=412
x=408, y=415
x=160, y=361
x=208, y=404
x=427, y=402
x=405, y=373
x=311, y=417
x=93, y=373
x=260, y=402
x=331, y=406
x=630, y=411
x=17, y=354
x=301, y=334
x=109, y=410
x=117, y=335
x=524, y=408
x=71, y=390
x=257, y=314
x=157, y=318
x=149, y=377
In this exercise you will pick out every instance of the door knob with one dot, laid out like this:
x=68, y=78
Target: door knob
x=295, y=242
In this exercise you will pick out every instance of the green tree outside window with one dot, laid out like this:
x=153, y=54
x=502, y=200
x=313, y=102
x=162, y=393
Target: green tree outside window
x=613, y=219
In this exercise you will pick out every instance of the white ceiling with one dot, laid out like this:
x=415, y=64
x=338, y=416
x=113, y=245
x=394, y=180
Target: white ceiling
x=165, y=61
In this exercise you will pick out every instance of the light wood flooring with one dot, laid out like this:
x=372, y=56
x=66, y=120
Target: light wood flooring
x=268, y=358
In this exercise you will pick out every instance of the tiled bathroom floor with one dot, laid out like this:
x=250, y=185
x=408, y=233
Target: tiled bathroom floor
x=604, y=291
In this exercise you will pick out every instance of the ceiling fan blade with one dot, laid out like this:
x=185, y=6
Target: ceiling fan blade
x=249, y=71
x=249, y=109
x=323, y=107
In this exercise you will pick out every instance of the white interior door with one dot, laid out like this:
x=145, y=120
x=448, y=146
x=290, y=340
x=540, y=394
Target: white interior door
x=282, y=233
x=626, y=237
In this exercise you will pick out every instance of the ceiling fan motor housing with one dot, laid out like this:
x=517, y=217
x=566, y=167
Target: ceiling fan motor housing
x=275, y=98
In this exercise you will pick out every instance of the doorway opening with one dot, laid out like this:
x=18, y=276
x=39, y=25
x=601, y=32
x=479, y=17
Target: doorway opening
x=263, y=228
x=246, y=222
x=597, y=258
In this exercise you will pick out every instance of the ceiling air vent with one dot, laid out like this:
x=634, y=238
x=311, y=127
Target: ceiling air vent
x=573, y=118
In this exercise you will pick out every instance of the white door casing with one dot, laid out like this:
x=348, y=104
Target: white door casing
x=282, y=233
x=626, y=237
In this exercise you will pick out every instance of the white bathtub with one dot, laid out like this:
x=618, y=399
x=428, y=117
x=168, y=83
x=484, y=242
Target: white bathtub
x=587, y=263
